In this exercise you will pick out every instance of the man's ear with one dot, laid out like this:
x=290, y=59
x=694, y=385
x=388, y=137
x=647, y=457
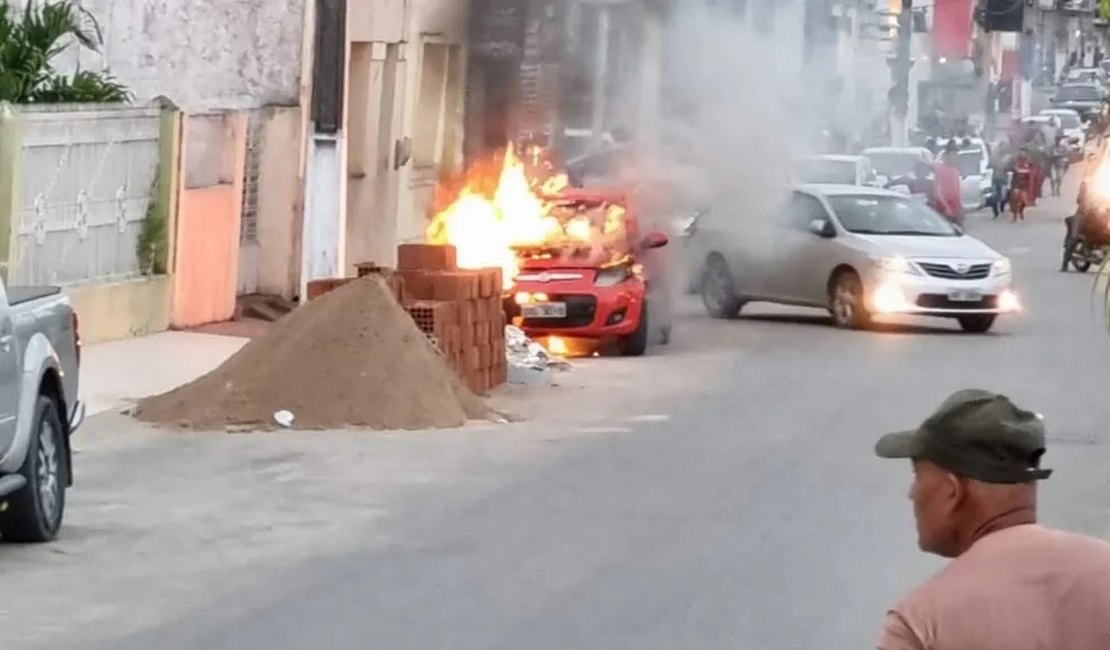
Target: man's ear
x=955, y=489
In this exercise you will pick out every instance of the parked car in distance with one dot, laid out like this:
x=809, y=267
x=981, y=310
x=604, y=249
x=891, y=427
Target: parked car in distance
x=859, y=253
x=40, y=354
x=1084, y=99
x=834, y=169
x=894, y=163
x=1086, y=76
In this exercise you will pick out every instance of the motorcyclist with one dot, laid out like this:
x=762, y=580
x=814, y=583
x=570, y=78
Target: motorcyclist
x=1082, y=223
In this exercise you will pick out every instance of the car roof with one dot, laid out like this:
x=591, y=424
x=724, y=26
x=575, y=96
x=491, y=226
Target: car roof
x=1060, y=111
x=833, y=157
x=913, y=150
x=846, y=190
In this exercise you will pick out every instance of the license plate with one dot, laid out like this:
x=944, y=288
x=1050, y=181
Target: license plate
x=544, y=310
x=965, y=296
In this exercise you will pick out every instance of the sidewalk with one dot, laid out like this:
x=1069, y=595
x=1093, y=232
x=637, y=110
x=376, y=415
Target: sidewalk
x=115, y=374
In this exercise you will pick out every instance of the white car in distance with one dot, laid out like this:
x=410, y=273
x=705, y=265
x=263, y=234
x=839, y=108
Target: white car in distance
x=859, y=253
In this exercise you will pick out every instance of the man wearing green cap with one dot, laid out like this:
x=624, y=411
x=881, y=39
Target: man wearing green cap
x=1011, y=584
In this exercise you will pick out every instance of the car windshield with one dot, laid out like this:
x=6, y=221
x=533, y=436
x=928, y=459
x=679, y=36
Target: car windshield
x=889, y=215
x=822, y=171
x=893, y=164
x=970, y=162
x=1067, y=120
x=1078, y=93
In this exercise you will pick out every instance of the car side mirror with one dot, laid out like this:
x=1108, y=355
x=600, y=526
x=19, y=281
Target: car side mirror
x=822, y=228
x=654, y=239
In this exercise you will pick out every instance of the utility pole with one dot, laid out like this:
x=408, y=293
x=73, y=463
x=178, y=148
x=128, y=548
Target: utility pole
x=601, y=74
x=900, y=89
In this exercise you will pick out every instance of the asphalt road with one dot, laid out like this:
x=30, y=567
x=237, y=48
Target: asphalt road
x=719, y=494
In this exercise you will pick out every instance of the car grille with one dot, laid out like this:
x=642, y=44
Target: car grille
x=941, y=301
x=580, y=312
x=948, y=272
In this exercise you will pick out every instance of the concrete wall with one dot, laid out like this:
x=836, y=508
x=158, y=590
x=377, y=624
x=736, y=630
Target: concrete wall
x=277, y=203
x=433, y=21
x=240, y=54
x=389, y=103
x=117, y=310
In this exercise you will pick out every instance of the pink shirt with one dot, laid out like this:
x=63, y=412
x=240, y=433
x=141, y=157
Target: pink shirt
x=1021, y=588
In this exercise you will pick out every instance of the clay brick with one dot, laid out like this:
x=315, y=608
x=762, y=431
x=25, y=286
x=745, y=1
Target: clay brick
x=427, y=257
x=485, y=356
x=453, y=285
x=473, y=358
x=418, y=285
x=482, y=332
x=490, y=283
x=317, y=288
x=467, y=314
x=434, y=319
x=397, y=286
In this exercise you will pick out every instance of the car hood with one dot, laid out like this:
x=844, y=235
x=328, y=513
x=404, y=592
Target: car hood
x=912, y=247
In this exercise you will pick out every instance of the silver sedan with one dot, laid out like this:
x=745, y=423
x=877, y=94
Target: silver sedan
x=858, y=252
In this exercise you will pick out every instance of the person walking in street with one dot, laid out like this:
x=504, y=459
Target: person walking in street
x=1000, y=181
x=1011, y=584
x=1021, y=187
x=947, y=186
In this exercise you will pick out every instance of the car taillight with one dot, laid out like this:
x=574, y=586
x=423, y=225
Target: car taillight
x=76, y=338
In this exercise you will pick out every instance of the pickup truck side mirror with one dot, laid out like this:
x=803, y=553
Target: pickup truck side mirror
x=654, y=239
x=822, y=228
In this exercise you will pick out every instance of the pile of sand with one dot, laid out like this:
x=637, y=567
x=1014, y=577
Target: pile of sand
x=351, y=358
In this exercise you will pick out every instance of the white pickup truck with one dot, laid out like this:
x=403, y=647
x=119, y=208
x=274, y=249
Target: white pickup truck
x=40, y=353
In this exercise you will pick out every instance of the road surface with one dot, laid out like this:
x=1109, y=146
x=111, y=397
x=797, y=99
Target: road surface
x=722, y=494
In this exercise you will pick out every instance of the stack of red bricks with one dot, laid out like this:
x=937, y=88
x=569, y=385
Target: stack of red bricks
x=394, y=281
x=460, y=310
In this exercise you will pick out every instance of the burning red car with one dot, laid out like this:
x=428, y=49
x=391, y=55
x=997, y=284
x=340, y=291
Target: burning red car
x=603, y=288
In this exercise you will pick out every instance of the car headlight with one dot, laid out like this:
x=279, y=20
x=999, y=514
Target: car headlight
x=895, y=264
x=1002, y=266
x=613, y=275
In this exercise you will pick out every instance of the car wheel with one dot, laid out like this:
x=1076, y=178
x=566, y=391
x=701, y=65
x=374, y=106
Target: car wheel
x=1080, y=257
x=977, y=323
x=718, y=291
x=846, y=302
x=636, y=343
x=35, y=511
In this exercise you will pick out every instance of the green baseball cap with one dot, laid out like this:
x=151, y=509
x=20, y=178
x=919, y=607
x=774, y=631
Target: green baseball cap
x=976, y=434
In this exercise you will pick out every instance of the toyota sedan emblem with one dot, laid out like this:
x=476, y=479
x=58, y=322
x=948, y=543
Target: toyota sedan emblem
x=543, y=277
x=962, y=269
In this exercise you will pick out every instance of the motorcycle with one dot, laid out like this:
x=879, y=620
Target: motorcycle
x=1082, y=253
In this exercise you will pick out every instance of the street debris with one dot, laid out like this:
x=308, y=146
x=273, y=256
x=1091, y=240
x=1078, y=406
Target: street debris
x=529, y=362
x=351, y=358
x=284, y=418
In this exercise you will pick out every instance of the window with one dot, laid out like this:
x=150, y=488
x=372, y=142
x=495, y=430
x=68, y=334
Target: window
x=804, y=210
x=888, y=215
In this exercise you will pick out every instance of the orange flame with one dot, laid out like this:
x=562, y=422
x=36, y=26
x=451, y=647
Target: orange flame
x=488, y=221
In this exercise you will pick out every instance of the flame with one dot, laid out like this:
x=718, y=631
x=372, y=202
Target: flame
x=557, y=346
x=496, y=212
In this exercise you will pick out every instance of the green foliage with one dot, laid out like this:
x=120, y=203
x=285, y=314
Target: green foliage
x=1104, y=9
x=29, y=42
x=152, y=247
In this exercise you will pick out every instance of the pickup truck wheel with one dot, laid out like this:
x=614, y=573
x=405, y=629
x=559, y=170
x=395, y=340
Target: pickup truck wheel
x=35, y=510
x=636, y=343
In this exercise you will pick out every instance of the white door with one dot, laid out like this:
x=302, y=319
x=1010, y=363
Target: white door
x=9, y=374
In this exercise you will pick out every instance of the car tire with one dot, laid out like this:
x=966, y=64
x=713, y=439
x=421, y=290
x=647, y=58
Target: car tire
x=977, y=323
x=636, y=343
x=846, y=303
x=718, y=290
x=35, y=511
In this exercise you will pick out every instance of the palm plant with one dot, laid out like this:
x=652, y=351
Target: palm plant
x=32, y=38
